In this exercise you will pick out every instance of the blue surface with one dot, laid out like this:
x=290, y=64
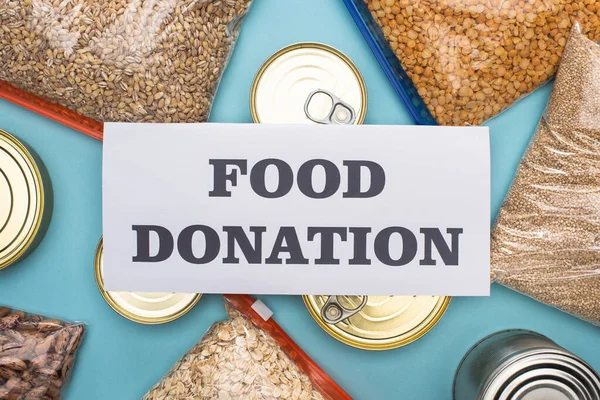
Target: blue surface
x=121, y=360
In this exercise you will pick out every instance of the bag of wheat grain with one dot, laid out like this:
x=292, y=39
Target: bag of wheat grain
x=119, y=60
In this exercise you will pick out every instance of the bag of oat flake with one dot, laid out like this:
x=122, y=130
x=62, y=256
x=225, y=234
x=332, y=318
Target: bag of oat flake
x=246, y=357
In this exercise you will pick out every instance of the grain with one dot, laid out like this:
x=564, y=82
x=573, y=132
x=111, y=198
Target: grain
x=36, y=355
x=546, y=241
x=469, y=60
x=120, y=60
x=235, y=360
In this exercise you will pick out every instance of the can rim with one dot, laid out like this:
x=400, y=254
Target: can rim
x=39, y=192
x=378, y=346
x=126, y=314
x=556, y=362
x=314, y=45
x=472, y=348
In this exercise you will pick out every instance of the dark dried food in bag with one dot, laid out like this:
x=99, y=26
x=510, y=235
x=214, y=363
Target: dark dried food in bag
x=36, y=355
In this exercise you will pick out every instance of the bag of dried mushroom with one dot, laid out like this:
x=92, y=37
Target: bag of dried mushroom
x=246, y=357
x=470, y=60
x=546, y=240
x=36, y=355
x=120, y=60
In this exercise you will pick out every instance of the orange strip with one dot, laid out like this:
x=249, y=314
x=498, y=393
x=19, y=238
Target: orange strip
x=53, y=111
x=320, y=380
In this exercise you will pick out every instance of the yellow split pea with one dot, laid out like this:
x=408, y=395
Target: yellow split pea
x=471, y=59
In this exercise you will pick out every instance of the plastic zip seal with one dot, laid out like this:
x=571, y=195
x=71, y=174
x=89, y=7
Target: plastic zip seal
x=52, y=111
x=320, y=380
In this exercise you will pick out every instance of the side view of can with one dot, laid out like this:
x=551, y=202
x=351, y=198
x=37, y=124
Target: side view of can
x=523, y=365
x=25, y=200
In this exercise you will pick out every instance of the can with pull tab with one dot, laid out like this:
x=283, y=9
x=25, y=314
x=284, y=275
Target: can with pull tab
x=376, y=322
x=308, y=83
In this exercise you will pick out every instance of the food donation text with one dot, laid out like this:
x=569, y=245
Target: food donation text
x=393, y=245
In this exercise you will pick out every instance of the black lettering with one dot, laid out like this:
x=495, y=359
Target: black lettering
x=235, y=234
x=434, y=236
x=220, y=176
x=327, y=242
x=257, y=178
x=332, y=179
x=382, y=246
x=165, y=243
x=360, y=246
x=292, y=246
x=212, y=244
x=354, y=181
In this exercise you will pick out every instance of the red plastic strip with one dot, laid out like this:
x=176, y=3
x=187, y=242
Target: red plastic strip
x=51, y=110
x=320, y=380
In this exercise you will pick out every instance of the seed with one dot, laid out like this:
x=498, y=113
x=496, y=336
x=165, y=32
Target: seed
x=482, y=40
x=32, y=362
x=546, y=237
x=105, y=44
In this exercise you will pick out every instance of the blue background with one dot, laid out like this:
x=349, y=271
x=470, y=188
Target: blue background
x=122, y=360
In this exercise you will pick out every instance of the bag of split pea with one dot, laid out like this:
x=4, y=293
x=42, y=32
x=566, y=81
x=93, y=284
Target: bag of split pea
x=469, y=60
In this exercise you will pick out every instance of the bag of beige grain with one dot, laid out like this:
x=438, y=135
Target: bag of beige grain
x=117, y=61
x=247, y=356
x=36, y=355
x=546, y=240
x=470, y=60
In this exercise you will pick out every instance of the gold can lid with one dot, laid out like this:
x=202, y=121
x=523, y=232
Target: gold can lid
x=21, y=199
x=144, y=308
x=383, y=322
x=308, y=78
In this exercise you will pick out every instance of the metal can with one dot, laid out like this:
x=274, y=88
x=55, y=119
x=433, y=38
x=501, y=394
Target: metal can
x=523, y=365
x=144, y=308
x=308, y=83
x=25, y=200
x=376, y=322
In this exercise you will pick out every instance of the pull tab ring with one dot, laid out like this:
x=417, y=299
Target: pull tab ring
x=341, y=113
x=333, y=312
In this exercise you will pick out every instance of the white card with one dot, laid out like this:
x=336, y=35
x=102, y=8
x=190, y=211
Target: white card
x=296, y=209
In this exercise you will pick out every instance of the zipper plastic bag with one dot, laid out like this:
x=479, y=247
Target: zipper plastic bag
x=36, y=355
x=246, y=357
x=546, y=239
x=116, y=61
x=470, y=60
